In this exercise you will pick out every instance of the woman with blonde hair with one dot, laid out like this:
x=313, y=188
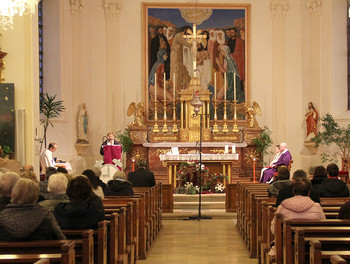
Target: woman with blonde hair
x=119, y=186
x=23, y=219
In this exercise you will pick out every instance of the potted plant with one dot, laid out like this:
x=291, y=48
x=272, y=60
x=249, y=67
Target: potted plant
x=49, y=108
x=5, y=151
x=125, y=140
x=263, y=142
x=331, y=133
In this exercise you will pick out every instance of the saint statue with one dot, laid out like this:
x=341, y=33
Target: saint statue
x=83, y=125
x=311, y=118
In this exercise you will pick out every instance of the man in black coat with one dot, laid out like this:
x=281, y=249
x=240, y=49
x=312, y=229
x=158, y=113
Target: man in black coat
x=141, y=177
x=288, y=191
x=333, y=187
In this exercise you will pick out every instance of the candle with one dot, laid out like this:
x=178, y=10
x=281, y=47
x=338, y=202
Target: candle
x=226, y=149
x=233, y=149
x=164, y=86
x=215, y=84
x=234, y=86
x=225, y=86
x=155, y=86
x=174, y=86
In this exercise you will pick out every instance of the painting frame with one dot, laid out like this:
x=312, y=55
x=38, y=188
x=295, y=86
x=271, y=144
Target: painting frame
x=152, y=8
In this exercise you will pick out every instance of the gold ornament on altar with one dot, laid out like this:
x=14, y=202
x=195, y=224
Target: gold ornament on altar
x=138, y=111
x=251, y=112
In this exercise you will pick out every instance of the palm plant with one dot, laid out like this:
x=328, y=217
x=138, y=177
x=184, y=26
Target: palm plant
x=49, y=108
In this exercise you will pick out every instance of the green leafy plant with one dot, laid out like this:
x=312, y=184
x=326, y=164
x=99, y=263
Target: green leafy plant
x=49, y=108
x=6, y=150
x=263, y=142
x=332, y=133
x=125, y=140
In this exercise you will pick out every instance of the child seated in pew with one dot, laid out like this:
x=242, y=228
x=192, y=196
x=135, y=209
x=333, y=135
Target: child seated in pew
x=119, y=186
x=23, y=219
x=298, y=207
x=84, y=209
x=288, y=191
x=281, y=182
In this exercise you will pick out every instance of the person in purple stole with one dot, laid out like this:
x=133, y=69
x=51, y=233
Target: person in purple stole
x=284, y=159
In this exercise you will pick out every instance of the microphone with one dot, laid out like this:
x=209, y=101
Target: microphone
x=196, y=147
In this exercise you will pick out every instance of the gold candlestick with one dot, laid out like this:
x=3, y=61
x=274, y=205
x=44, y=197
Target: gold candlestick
x=155, y=127
x=235, y=127
x=215, y=127
x=174, y=130
x=165, y=127
x=224, y=127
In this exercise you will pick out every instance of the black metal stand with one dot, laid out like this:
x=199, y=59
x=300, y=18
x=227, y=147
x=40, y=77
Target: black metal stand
x=200, y=216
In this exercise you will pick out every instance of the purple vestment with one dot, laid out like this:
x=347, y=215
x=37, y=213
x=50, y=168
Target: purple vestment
x=284, y=160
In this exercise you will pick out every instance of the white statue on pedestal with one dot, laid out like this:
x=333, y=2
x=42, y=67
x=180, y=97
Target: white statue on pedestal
x=83, y=125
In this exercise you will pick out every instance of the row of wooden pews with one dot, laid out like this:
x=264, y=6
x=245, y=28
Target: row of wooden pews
x=127, y=234
x=296, y=241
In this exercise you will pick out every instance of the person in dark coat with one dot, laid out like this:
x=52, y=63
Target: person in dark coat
x=320, y=174
x=119, y=186
x=333, y=187
x=84, y=209
x=141, y=177
x=281, y=182
x=23, y=219
x=288, y=191
x=7, y=181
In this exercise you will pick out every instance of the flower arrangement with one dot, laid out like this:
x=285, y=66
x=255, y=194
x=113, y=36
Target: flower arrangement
x=188, y=173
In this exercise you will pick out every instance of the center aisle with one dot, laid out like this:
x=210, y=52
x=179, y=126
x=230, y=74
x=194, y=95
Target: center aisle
x=203, y=242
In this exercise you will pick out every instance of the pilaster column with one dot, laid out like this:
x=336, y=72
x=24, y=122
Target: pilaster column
x=315, y=92
x=279, y=10
x=115, y=105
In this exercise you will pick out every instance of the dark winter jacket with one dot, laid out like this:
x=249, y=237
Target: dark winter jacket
x=141, y=178
x=275, y=187
x=333, y=188
x=119, y=187
x=288, y=193
x=4, y=201
x=80, y=214
x=28, y=222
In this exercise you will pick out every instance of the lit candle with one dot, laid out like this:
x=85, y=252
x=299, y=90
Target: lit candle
x=174, y=86
x=164, y=87
x=234, y=86
x=226, y=149
x=233, y=149
x=155, y=87
x=215, y=84
x=225, y=86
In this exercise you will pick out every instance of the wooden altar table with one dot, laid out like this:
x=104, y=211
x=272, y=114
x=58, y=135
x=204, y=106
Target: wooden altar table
x=173, y=161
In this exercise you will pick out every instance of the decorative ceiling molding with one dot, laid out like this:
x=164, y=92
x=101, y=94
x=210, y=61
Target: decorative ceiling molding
x=314, y=7
x=76, y=6
x=279, y=8
x=112, y=8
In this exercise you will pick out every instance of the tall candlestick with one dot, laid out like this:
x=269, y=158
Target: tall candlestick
x=164, y=87
x=174, y=86
x=234, y=86
x=225, y=84
x=155, y=87
x=215, y=84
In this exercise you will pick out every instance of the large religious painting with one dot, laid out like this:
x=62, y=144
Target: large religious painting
x=7, y=116
x=221, y=51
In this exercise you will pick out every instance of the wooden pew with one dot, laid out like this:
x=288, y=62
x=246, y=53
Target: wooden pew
x=58, y=251
x=319, y=255
x=42, y=261
x=84, y=244
x=336, y=259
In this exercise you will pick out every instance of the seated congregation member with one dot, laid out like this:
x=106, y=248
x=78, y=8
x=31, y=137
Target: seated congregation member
x=333, y=187
x=27, y=167
x=288, y=191
x=96, y=188
x=320, y=174
x=43, y=184
x=23, y=219
x=283, y=159
x=84, y=209
x=141, y=177
x=7, y=181
x=98, y=173
x=32, y=176
x=281, y=182
x=298, y=207
x=119, y=186
x=344, y=211
x=275, y=159
x=57, y=187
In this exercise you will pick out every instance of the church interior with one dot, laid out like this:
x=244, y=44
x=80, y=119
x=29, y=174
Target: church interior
x=95, y=56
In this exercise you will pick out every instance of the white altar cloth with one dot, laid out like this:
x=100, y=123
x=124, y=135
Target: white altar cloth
x=195, y=156
x=193, y=144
